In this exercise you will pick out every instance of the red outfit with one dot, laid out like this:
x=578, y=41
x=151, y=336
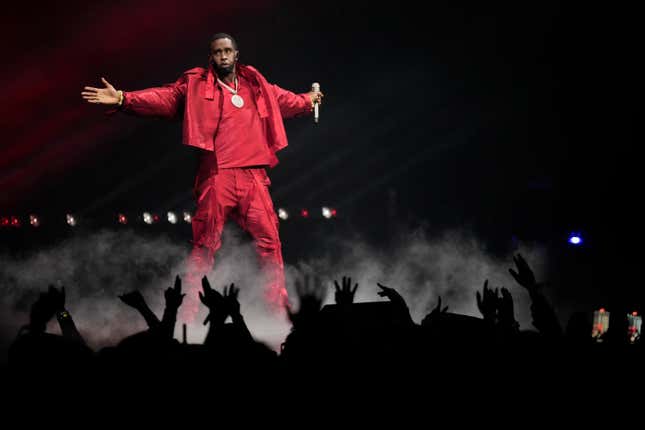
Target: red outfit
x=241, y=139
x=231, y=181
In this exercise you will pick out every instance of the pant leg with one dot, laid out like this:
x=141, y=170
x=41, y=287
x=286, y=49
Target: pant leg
x=257, y=216
x=215, y=200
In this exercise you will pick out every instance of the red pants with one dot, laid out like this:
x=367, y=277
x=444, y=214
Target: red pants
x=243, y=195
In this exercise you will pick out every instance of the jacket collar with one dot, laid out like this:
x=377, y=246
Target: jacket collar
x=209, y=91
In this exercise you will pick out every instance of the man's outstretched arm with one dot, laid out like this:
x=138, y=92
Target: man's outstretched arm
x=160, y=102
x=292, y=104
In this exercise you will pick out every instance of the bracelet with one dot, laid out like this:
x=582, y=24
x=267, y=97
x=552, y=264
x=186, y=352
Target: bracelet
x=120, y=98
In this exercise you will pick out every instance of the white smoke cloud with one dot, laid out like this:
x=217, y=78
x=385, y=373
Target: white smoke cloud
x=452, y=266
x=97, y=267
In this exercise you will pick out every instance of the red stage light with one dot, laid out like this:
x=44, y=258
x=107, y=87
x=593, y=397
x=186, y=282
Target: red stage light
x=122, y=219
x=304, y=213
x=15, y=221
x=4, y=221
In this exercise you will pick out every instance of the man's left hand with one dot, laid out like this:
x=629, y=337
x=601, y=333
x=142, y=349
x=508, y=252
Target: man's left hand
x=316, y=97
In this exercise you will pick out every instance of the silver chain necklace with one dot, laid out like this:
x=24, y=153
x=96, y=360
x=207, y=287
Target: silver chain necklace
x=236, y=99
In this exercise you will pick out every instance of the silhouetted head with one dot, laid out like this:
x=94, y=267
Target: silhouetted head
x=223, y=53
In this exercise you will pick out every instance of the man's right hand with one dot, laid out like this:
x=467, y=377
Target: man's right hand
x=104, y=96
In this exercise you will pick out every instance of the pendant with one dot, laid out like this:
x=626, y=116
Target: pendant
x=237, y=101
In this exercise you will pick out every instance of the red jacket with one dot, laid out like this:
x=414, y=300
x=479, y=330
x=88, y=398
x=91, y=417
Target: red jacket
x=196, y=96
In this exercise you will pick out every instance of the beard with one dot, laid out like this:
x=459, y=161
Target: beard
x=224, y=71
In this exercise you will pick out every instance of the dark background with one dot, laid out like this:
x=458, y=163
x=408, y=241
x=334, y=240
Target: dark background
x=514, y=122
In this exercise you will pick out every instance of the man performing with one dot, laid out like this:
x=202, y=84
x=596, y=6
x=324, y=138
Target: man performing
x=235, y=117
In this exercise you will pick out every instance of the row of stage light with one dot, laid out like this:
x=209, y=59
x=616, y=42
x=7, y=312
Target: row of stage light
x=152, y=218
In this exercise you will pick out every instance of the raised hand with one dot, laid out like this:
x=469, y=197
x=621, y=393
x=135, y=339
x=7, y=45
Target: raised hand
x=41, y=313
x=233, y=307
x=133, y=299
x=436, y=313
x=524, y=275
x=505, y=310
x=174, y=298
x=488, y=302
x=397, y=300
x=48, y=304
x=544, y=317
x=230, y=297
x=437, y=310
x=104, y=96
x=310, y=297
x=214, y=301
x=210, y=297
x=345, y=296
x=173, y=295
x=391, y=294
x=56, y=298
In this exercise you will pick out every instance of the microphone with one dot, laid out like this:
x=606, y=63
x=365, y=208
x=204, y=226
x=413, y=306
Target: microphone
x=315, y=87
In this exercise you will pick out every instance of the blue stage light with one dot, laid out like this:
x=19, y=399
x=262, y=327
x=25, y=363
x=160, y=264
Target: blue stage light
x=575, y=239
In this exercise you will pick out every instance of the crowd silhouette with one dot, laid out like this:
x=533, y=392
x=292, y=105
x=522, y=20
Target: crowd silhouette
x=331, y=345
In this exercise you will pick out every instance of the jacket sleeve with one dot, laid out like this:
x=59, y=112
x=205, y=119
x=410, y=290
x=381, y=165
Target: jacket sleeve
x=160, y=102
x=291, y=104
